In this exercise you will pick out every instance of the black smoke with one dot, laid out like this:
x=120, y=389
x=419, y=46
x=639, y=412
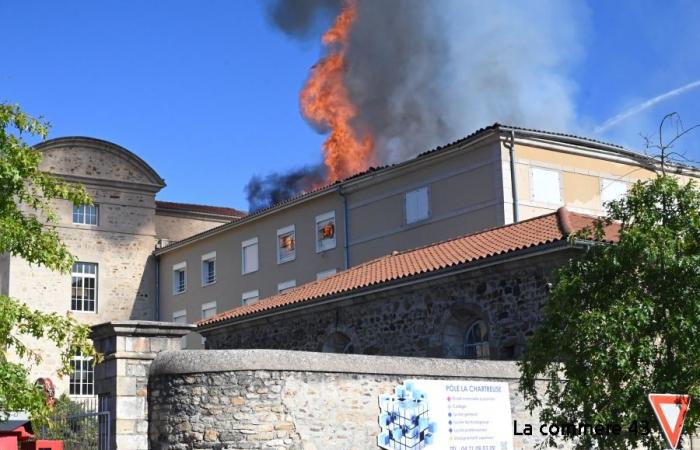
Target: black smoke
x=278, y=187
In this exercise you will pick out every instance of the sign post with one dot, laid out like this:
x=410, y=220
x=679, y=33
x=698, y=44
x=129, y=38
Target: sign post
x=670, y=410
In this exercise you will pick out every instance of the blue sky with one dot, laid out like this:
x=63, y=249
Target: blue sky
x=207, y=92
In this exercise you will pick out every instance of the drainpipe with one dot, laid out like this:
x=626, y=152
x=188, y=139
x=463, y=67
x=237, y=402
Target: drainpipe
x=346, y=228
x=157, y=315
x=513, y=182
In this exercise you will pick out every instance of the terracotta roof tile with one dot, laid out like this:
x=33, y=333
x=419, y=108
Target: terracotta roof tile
x=205, y=209
x=472, y=247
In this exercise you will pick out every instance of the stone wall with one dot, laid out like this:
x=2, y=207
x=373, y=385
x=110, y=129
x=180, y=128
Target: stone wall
x=264, y=399
x=428, y=318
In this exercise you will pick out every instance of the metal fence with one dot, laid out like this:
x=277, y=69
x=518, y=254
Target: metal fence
x=88, y=427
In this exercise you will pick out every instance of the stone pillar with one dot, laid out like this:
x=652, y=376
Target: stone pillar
x=121, y=379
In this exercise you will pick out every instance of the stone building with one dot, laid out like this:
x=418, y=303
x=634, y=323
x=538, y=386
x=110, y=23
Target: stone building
x=477, y=296
x=113, y=240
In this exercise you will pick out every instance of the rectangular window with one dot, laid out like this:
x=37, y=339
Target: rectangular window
x=286, y=244
x=81, y=381
x=179, y=278
x=181, y=317
x=249, y=256
x=325, y=274
x=545, y=186
x=208, y=310
x=84, y=287
x=209, y=268
x=611, y=190
x=325, y=231
x=85, y=214
x=250, y=297
x=417, y=205
x=285, y=286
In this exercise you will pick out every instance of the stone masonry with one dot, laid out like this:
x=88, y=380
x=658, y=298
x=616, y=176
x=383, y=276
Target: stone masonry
x=427, y=319
x=121, y=379
x=264, y=399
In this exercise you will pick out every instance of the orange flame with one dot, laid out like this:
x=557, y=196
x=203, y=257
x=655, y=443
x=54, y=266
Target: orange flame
x=325, y=101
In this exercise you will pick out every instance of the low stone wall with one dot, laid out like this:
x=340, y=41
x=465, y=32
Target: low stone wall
x=271, y=399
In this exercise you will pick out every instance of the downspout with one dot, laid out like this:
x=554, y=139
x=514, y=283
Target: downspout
x=157, y=315
x=513, y=182
x=346, y=245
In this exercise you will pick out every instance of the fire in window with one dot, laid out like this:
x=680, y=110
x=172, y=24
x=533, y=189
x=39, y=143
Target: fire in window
x=325, y=231
x=286, y=244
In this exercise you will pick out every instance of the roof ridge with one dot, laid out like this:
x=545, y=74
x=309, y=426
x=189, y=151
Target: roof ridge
x=197, y=204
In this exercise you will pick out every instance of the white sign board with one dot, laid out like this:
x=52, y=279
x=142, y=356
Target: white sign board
x=446, y=415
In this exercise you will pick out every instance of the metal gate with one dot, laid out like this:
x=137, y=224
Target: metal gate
x=89, y=429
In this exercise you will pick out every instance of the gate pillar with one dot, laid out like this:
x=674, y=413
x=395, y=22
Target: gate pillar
x=121, y=379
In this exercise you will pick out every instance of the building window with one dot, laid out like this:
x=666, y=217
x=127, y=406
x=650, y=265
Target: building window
x=286, y=244
x=181, y=317
x=476, y=341
x=325, y=274
x=611, y=190
x=417, y=205
x=285, y=286
x=545, y=186
x=209, y=269
x=250, y=297
x=86, y=214
x=249, y=256
x=179, y=278
x=84, y=287
x=82, y=377
x=208, y=310
x=325, y=231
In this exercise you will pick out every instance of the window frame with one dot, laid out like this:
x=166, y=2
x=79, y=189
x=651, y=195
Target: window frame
x=428, y=210
x=247, y=297
x=245, y=244
x=84, y=276
x=603, y=180
x=208, y=307
x=288, y=230
x=533, y=170
x=181, y=313
x=286, y=285
x=206, y=259
x=481, y=349
x=180, y=267
x=326, y=274
x=84, y=214
x=320, y=247
x=86, y=376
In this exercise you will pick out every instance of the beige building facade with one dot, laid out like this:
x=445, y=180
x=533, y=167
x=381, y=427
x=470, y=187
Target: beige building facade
x=496, y=176
x=113, y=240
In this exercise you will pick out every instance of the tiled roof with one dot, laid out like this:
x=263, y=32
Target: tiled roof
x=472, y=247
x=202, y=209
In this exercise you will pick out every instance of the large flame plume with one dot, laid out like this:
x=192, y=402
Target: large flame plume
x=325, y=101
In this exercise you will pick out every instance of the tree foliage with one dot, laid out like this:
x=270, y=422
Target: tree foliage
x=28, y=230
x=622, y=320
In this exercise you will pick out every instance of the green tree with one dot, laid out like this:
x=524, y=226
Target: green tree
x=622, y=321
x=28, y=230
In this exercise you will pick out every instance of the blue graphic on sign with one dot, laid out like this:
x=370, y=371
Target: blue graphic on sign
x=404, y=420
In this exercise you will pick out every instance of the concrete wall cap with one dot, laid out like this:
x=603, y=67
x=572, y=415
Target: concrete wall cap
x=203, y=361
x=140, y=328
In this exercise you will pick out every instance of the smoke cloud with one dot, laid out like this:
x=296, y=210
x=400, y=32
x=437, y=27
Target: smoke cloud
x=278, y=187
x=423, y=74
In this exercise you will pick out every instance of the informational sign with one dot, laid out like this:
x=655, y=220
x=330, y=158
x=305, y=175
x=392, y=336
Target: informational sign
x=670, y=410
x=446, y=415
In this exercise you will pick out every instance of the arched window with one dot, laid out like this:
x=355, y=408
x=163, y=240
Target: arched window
x=337, y=342
x=476, y=341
